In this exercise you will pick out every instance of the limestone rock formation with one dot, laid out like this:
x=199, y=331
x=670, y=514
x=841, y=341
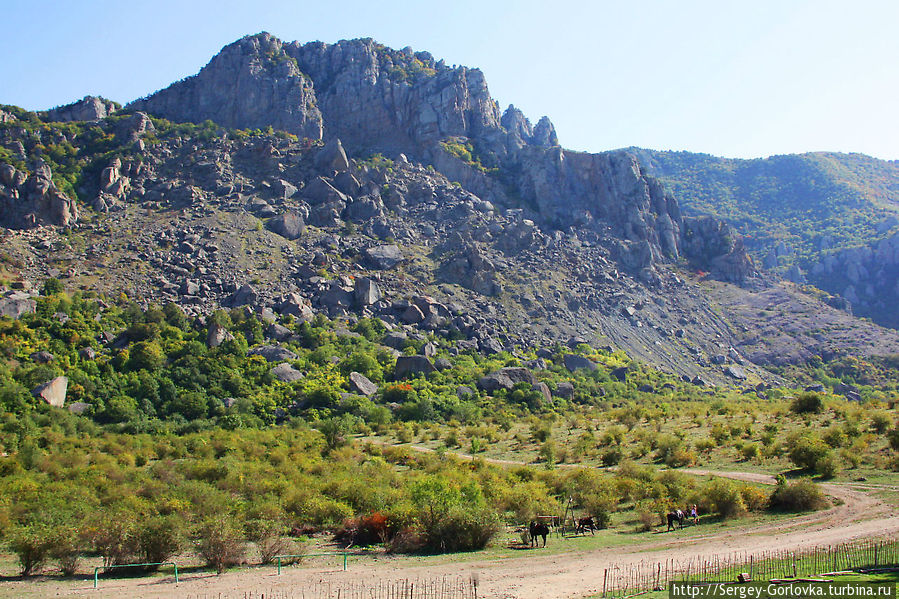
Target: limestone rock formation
x=28, y=201
x=250, y=84
x=866, y=276
x=89, y=108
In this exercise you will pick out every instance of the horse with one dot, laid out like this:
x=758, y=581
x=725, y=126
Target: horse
x=676, y=518
x=585, y=524
x=538, y=529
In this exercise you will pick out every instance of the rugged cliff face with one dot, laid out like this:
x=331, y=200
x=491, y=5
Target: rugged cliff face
x=27, y=201
x=866, y=276
x=472, y=222
x=380, y=100
x=90, y=108
x=250, y=84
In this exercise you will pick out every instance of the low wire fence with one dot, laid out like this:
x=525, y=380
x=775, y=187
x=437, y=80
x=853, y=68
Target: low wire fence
x=634, y=578
x=446, y=587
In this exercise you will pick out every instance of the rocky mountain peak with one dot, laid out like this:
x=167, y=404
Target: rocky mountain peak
x=250, y=84
x=545, y=133
x=376, y=99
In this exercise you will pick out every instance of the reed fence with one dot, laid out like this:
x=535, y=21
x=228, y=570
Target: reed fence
x=629, y=579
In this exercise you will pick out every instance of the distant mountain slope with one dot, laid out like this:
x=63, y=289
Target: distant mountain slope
x=812, y=202
x=826, y=218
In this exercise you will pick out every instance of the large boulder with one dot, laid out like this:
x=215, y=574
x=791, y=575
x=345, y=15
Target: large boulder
x=366, y=292
x=273, y=353
x=506, y=378
x=383, y=256
x=244, y=296
x=397, y=340
x=42, y=357
x=407, y=365
x=735, y=372
x=296, y=305
x=332, y=157
x=286, y=373
x=543, y=389
x=53, y=392
x=565, y=389
x=494, y=382
x=360, y=383
x=319, y=192
x=289, y=225
x=217, y=334
x=575, y=362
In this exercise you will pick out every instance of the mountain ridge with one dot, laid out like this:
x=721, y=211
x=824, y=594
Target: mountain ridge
x=480, y=212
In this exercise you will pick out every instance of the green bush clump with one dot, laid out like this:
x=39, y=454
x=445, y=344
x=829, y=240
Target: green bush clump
x=30, y=544
x=807, y=403
x=809, y=452
x=221, y=543
x=800, y=496
x=452, y=517
x=722, y=497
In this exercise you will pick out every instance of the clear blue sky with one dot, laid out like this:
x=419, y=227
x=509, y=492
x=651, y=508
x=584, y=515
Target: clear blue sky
x=742, y=79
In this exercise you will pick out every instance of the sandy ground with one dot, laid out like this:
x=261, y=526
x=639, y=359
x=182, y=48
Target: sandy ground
x=533, y=575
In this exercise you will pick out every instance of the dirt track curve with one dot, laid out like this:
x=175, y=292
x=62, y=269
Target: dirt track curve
x=538, y=575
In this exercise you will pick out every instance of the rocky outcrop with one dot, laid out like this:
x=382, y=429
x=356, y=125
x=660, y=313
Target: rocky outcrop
x=89, y=108
x=273, y=353
x=714, y=246
x=217, y=334
x=374, y=98
x=289, y=225
x=866, y=276
x=506, y=378
x=286, y=373
x=361, y=384
x=250, y=84
x=27, y=201
x=575, y=362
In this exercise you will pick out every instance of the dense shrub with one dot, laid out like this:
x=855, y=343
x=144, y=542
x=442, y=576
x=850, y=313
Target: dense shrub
x=160, y=538
x=753, y=498
x=722, y=497
x=221, y=544
x=807, y=403
x=463, y=528
x=64, y=546
x=800, y=496
x=114, y=537
x=365, y=530
x=894, y=438
x=452, y=517
x=31, y=548
x=268, y=536
x=809, y=452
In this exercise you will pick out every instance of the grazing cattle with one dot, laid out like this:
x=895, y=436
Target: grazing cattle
x=538, y=529
x=676, y=519
x=585, y=524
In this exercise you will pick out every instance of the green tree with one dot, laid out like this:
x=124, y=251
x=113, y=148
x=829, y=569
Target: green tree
x=52, y=286
x=146, y=355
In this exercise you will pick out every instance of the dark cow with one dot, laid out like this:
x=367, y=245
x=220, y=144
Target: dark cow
x=585, y=524
x=538, y=529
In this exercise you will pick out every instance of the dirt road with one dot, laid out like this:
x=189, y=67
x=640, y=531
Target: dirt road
x=535, y=574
